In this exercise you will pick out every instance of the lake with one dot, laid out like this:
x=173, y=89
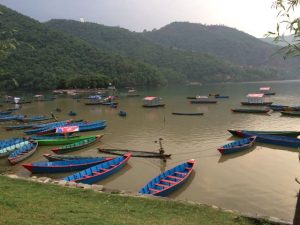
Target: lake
x=259, y=181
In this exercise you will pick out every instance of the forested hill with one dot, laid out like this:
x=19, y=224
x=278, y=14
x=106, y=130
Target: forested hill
x=46, y=59
x=228, y=43
x=196, y=66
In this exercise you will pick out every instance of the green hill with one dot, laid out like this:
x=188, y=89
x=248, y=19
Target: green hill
x=47, y=59
x=195, y=66
x=225, y=42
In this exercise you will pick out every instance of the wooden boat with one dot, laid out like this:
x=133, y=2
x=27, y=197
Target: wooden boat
x=187, y=114
x=291, y=108
x=77, y=145
x=64, y=166
x=11, y=117
x=170, y=180
x=35, y=118
x=47, y=127
x=134, y=153
x=278, y=133
x=222, y=96
x=5, y=151
x=72, y=113
x=122, y=113
x=256, y=103
x=18, y=127
x=191, y=97
x=64, y=141
x=203, y=101
x=273, y=139
x=290, y=113
x=251, y=110
x=5, y=113
x=10, y=141
x=52, y=158
x=23, y=153
x=100, y=171
x=277, y=107
x=270, y=93
x=237, y=146
x=101, y=103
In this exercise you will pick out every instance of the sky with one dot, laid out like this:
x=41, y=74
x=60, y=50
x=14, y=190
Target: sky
x=255, y=17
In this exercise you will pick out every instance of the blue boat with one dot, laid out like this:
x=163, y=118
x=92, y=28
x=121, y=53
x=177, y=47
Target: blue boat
x=11, y=117
x=43, y=128
x=237, y=146
x=72, y=113
x=23, y=153
x=64, y=166
x=122, y=113
x=5, y=113
x=221, y=96
x=11, y=147
x=10, y=141
x=170, y=180
x=272, y=139
x=99, y=172
x=35, y=118
x=100, y=125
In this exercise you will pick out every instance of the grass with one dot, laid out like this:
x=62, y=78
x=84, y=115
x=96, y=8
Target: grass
x=25, y=202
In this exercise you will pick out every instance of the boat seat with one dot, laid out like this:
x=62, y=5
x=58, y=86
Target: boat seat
x=97, y=173
x=187, y=168
x=154, y=190
x=104, y=170
x=174, y=177
x=87, y=176
x=169, y=181
x=180, y=173
x=161, y=185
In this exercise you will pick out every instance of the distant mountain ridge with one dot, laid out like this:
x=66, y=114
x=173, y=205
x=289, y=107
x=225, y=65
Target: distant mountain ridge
x=195, y=65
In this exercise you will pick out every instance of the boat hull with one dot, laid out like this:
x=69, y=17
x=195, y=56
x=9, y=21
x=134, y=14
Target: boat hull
x=63, y=141
x=278, y=133
x=256, y=104
x=134, y=153
x=237, y=146
x=187, y=114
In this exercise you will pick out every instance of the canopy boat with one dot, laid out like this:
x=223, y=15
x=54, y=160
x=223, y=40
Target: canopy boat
x=170, y=180
x=5, y=113
x=23, y=153
x=152, y=101
x=266, y=91
x=203, y=100
x=64, y=166
x=290, y=113
x=5, y=151
x=251, y=110
x=100, y=171
x=273, y=139
x=255, y=99
x=134, y=153
x=132, y=93
x=187, y=114
x=77, y=145
x=52, y=158
x=64, y=140
x=278, y=133
x=237, y=146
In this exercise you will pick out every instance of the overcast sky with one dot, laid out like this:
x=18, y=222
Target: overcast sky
x=255, y=17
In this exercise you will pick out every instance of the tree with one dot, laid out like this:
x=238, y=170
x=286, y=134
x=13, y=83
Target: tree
x=291, y=23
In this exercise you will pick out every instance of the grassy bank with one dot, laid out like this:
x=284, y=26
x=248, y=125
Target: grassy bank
x=24, y=202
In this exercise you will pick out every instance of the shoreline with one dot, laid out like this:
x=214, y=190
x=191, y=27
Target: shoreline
x=102, y=189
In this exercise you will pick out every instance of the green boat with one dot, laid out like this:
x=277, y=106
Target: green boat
x=64, y=141
x=290, y=113
x=77, y=145
x=277, y=133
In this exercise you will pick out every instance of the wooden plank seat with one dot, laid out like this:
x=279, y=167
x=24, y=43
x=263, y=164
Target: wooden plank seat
x=169, y=181
x=162, y=185
x=154, y=190
x=174, y=177
x=180, y=173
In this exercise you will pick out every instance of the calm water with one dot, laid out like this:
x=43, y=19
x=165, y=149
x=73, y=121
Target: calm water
x=258, y=181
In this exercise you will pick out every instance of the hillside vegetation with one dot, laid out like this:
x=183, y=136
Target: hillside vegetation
x=194, y=65
x=47, y=59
